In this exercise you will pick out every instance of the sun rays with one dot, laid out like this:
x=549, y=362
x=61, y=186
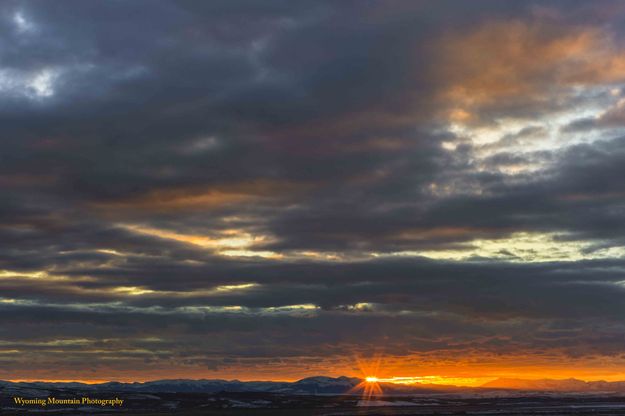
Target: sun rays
x=369, y=387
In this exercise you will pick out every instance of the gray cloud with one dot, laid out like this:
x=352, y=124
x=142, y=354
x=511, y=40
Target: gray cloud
x=149, y=150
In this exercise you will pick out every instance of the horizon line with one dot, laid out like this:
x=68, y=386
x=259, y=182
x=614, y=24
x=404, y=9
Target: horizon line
x=363, y=378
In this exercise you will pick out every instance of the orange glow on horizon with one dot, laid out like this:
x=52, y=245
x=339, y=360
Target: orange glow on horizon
x=374, y=370
x=433, y=379
x=370, y=385
x=37, y=380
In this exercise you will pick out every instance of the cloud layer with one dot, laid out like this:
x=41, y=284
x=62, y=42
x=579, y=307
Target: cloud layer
x=270, y=190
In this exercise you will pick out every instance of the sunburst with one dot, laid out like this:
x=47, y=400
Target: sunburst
x=370, y=370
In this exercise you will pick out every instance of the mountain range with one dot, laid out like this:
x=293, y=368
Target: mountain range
x=566, y=385
x=306, y=386
x=311, y=386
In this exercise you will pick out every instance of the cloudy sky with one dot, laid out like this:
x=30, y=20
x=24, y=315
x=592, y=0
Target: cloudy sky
x=278, y=189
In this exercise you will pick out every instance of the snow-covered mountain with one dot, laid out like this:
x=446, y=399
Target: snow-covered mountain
x=319, y=385
x=312, y=385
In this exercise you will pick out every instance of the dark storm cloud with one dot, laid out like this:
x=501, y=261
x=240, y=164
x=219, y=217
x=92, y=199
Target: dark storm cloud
x=498, y=291
x=141, y=142
x=580, y=194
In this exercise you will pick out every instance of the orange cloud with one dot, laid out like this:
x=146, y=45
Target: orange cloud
x=514, y=59
x=201, y=198
x=442, y=233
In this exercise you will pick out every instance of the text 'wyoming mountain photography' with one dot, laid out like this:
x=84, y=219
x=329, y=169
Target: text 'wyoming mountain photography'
x=274, y=207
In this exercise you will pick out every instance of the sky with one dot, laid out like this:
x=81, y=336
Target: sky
x=274, y=190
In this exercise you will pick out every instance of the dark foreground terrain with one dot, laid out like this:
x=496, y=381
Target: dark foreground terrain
x=315, y=396
x=263, y=404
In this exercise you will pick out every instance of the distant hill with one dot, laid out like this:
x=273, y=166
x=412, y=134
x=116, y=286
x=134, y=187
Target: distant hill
x=566, y=385
x=319, y=385
x=307, y=386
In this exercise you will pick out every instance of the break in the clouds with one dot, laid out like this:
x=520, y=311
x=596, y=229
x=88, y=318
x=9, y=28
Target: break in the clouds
x=273, y=189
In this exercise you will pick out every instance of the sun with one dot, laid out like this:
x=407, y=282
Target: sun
x=371, y=377
x=370, y=387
